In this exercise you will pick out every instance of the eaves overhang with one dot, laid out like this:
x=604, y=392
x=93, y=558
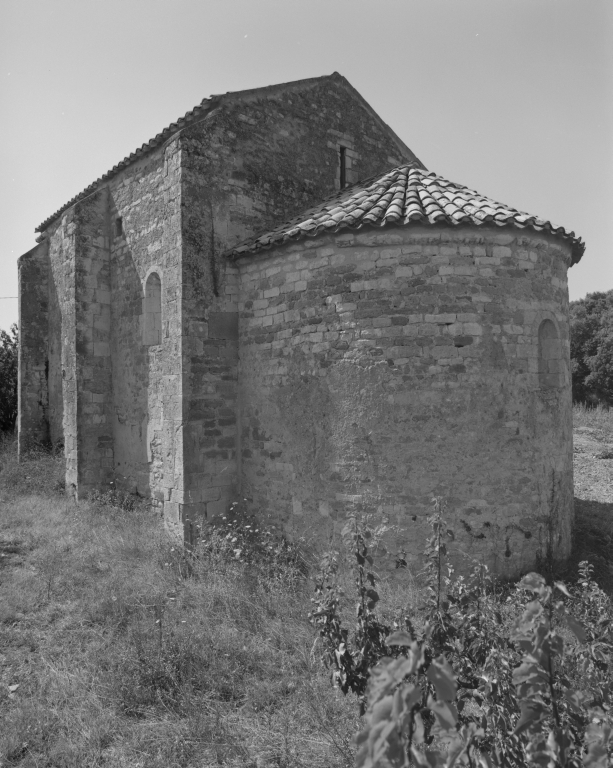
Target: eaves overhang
x=403, y=196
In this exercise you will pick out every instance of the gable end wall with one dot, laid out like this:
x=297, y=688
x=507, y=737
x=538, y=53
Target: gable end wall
x=250, y=164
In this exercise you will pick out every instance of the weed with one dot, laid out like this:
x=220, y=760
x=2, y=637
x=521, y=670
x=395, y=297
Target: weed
x=350, y=656
x=115, y=498
x=241, y=537
x=505, y=677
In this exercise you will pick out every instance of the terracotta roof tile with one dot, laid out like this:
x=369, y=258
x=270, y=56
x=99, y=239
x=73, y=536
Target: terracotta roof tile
x=403, y=196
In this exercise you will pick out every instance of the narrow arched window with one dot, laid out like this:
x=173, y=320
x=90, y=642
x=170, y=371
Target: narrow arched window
x=550, y=356
x=153, y=310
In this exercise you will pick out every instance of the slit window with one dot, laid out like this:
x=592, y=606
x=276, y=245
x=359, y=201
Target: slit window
x=153, y=310
x=343, y=166
x=550, y=363
x=118, y=227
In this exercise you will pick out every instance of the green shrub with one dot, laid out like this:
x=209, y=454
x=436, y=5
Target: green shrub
x=8, y=379
x=239, y=537
x=351, y=656
x=483, y=674
x=591, y=348
x=114, y=498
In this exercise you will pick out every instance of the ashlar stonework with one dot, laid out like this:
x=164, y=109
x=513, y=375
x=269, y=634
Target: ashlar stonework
x=405, y=338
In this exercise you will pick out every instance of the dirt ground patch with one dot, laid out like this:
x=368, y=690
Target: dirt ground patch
x=593, y=478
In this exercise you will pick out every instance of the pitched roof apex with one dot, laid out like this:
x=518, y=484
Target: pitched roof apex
x=263, y=91
x=208, y=105
x=408, y=153
x=298, y=85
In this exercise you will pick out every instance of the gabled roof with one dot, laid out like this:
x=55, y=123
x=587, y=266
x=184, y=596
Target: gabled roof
x=403, y=196
x=206, y=106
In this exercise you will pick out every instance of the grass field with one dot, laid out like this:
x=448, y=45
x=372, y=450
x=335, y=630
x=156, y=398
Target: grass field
x=118, y=649
x=593, y=478
x=597, y=419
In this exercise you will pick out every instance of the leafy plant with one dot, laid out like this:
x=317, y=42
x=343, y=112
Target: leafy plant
x=241, y=538
x=591, y=325
x=8, y=379
x=497, y=675
x=115, y=498
x=350, y=656
x=554, y=722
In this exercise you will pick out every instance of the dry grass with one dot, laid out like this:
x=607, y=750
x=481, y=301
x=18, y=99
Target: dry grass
x=593, y=478
x=41, y=474
x=116, y=650
x=599, y=420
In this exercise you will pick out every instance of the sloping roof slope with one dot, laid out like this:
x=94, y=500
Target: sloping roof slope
x=403, y=196
x=206, y=106
x=197, y=113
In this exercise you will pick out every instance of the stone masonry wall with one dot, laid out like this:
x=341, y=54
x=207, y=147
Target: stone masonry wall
x=33, y=419
x=146, y=414
x=93, y=350
x=61, y=237
x=113, y=401
x=383, y=367
x=54, y=352
x=252, y=163
x=77, y=349
x=160, y=418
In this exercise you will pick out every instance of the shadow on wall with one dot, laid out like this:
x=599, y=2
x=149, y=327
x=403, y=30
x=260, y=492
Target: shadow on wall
x=593, y=540
x=152, y=320
x=131, y=372
x=550, y=356
x=54, y=371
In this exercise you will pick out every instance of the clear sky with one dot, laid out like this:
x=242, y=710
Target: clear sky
x=513, y=98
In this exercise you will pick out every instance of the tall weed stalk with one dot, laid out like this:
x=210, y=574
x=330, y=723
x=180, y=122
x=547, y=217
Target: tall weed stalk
x=495, y=676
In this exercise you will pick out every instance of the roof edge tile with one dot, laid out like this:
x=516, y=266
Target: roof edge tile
x=376, y=202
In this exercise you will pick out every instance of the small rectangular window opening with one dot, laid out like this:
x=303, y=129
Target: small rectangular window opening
x=118, y=227
x=343, y=167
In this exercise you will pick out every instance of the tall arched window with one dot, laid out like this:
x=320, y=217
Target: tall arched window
x=550, y=356
x=153, y=310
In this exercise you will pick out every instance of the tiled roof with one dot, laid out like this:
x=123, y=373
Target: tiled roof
x=206, y=106
x=403, y=196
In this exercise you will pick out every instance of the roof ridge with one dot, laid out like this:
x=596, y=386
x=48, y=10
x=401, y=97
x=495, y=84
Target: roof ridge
x=166, y=133
x=397, y=140
x=202, y=110
x=428, y=199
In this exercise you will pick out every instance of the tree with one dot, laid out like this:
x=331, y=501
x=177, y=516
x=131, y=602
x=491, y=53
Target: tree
x=8, y=379
x=591, y=348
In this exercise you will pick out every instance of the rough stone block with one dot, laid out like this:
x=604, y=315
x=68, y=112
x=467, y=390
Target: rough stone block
x=223, y=325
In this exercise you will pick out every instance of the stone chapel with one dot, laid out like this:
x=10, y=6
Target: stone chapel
x=274, y=300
